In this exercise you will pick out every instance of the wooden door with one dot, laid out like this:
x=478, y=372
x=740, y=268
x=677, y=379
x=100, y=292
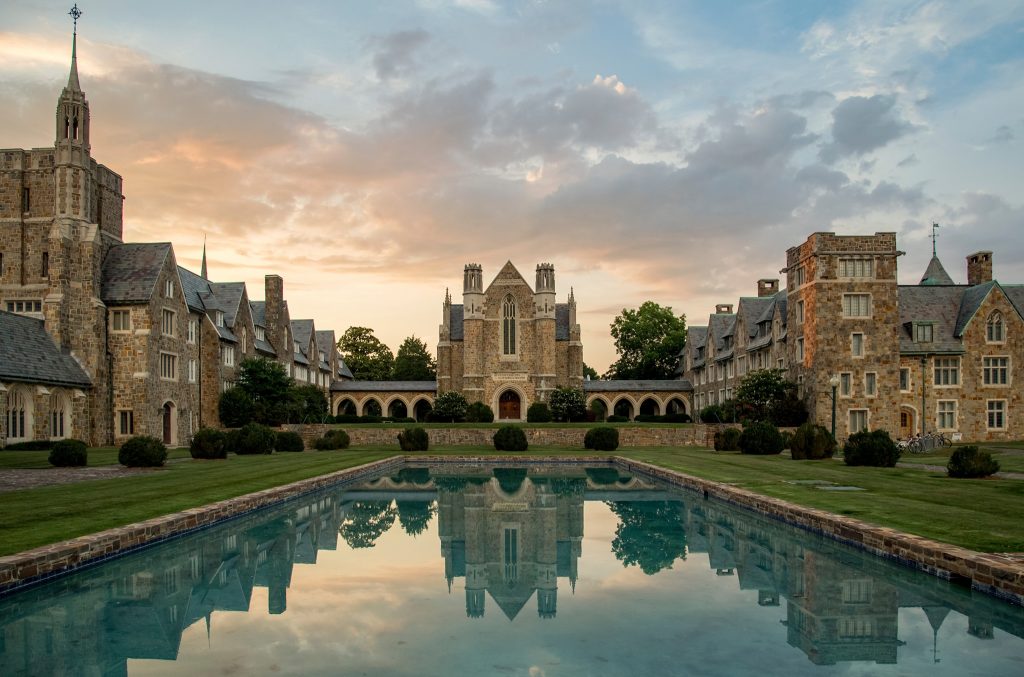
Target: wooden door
x=167, y=424
x=508, y=405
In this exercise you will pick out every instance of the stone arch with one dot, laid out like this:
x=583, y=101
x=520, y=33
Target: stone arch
x=346, y=407
x=19, y=415
x=676, y=405
x=626, y=405
x=370, y=406
x=650, y=406
x=604, y=407
x=396, y=407
x=509, y=388
x=169, y=423
x=911, y=424
x=60, y=415
x=421, y=408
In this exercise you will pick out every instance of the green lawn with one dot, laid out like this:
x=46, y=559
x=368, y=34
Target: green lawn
x=972, y=513
x=97, y=456
x=1009, y=454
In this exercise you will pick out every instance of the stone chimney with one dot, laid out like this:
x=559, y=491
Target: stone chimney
x=979, y=268
x=725, y=308
x=273, y=296
x=766, y=287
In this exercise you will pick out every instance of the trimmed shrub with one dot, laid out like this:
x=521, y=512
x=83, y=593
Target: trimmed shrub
x=288, y=440
x=414, y=439
x=142, y=452
x=510, y=438
x=449, y=407
x=30, y=445
x=875, y=448
x=970, y=461
x=401, y=419
x=727, y=439
x=255, y=438
x=69, y=454
x=568, y=404
x=713, y=413
x=812, y=442
x=235, y=407
x=615, y=418
x=602, y=438
x=538, y=413
x=332, y=439
x=478, y=412
x=761, y=438
x=208, y=443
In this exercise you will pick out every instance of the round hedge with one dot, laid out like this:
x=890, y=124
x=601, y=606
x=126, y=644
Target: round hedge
x=538, y=413
x=255, y=439
x=414, y=439
x=478, y=412
x=510, y=438
x=208, y=443
x=288, y=440
x=761, y=438
x=875, y=448
x=332, y=439
x=969, y=461
x=602, y=438
x=812, y=442
x=69, y=454
x=142, y=452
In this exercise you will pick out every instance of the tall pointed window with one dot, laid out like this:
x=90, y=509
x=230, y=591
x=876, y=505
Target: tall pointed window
x=19, y=416
x=994, y=328
x=59, y=416
x=508, y=326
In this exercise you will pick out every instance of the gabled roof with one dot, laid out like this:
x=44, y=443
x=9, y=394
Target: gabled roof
x=343, y=370
x=193, y=287
x=696, y=336
x=939, y=305
x=507, y=270
x=302, y=331
x=384, y=386
x=1015, y=292
x=750, y=309
x=651, y=385
x=28, y=355
x=971, y=301
x=935, y=274
x=721, y=325
x=259, y=313
x=225, y=297
x=325, y=344
x=777, y=301
x=130, y=271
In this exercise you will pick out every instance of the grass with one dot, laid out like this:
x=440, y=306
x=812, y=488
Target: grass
x=1009, y=454
x=976, y=514
x=98, y=456
x=500, y=424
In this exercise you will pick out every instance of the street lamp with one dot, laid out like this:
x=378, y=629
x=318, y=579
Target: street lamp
x=834, y=382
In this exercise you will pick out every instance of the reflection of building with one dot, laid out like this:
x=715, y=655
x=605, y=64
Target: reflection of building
x=510, y=540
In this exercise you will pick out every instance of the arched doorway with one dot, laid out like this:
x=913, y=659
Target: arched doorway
x=168, y=423
x=371, y=408
x=422, y=410
x=509, y=405
x=676, y=406
x=599, y=409
x=650, y=407
x=346, y=407
x=908, y=422
x=624, y=407
x=397, y=409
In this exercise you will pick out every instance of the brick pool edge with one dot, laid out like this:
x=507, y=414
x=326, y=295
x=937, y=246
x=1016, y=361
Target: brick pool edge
x=996, y=575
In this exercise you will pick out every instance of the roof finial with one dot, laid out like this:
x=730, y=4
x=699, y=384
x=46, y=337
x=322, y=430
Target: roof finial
x=73, y=85
x=935, y=235
x=202, y=271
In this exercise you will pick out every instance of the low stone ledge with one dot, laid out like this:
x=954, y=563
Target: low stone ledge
x=999, y=576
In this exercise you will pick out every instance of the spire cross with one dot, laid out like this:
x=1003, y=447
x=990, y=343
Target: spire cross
x=935, y=235
x=75, y=13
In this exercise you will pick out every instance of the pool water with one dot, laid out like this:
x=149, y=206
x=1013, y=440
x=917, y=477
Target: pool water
x=482, y=571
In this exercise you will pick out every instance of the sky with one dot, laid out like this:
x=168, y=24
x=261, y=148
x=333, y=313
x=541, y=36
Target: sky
x=651, y=150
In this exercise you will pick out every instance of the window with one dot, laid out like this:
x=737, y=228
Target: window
x=947, y=371
x=295, y=347
x=169, y=366
x=904, y=379
x=729, y=369
x=780, y=363
x=167, y=322
x=728, y=393
x=45, y=266
x=19, y=415
x=856, y=305
x=120, y=320
x=857, y=345
x=995, y=330
x=857, y=591
x=924, y=332
x=26, y=200
x=721, y=395
x=871, y=384
x=261, y=334
x=855, y=626
x=193, y=330
x=23, y=307
x=995, y=371
x=508, y=326
x=799, y=276
x=858, y=420
x=743, y=365
x=996, y=410
x=856, y=268
x=227, y=354
x=169, y=289
x=800, y=349
x=127, y=422
x=193, y=371
x=59, y=410
x=845, y=384
x=947, y=415
x=800, y=311
x=218, y=318
x=511, y=555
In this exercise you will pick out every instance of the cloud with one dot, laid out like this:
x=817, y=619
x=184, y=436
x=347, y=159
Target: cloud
x=863, y=124
x=1002, y=136
x=394, y=53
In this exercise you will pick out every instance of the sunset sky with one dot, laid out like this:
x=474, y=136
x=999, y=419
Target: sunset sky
x=651, y=150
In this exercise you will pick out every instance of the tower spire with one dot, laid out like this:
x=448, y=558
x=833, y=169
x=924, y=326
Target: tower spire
x=935, y=235
x=73, y=85
x=202, y=270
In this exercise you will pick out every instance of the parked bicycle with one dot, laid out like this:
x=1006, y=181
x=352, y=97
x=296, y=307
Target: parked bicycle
x=923, y=444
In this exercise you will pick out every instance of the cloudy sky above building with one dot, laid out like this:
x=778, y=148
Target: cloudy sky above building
x=668, y=150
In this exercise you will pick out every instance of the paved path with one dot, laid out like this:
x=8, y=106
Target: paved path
x=12, y=480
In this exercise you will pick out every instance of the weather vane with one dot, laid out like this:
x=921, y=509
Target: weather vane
x=935, y=227
x=74, y=14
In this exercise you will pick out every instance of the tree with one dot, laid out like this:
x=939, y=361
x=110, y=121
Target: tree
x=568, y=404
x=270, y=388
x=589, y=372
x=414, y=362
x=309, y=405
x=648, y=341
x=365, y=355
x=367, y=521
x=650, y=534
x=235, y=408
x=414, y=516
x=449, y=406
x=764, y=395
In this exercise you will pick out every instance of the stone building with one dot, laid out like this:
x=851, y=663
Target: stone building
x=935, y=356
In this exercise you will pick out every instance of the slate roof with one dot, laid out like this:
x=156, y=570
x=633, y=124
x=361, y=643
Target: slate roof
x=938, y=304
x=343, y=370
x=302, y=331
x=384, y=386
x=193, y=286
x=227, y=334
x=28, y=355
x=456, y=315
x=225, y=297
x=264, y=347
x=259, y=312
x=455, y=322
x=721, y=325
x=697, y=336
x=130, y=271
x=778, y=299
x=637, y=386
x=751, y=309
x=1015, y=292
x=935, y=274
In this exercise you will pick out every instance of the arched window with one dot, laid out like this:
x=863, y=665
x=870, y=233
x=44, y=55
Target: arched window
x=995, y=330
x=19, y=416
x=60, y=416
x=74, y=128
x=508, y=326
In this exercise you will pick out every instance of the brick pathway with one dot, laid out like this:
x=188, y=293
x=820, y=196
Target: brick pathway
x=12, y=480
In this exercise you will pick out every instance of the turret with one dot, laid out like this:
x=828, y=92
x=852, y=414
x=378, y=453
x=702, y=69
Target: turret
x=544, y=296
x=72, y=196
x=473, y=291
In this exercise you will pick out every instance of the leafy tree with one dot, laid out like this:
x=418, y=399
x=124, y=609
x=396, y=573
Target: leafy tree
x=568, y=404
x=308, y=404
x=648, y=341
x=764, y=395
x=414, y=362
x=650, y=534
x=590, y=372
x=270, y=389
x=235, y=407
x=365, y=355
x=449, y=406
x=415, y=516
x=367, y=521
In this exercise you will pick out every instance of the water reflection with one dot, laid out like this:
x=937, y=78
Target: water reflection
x=506, y=536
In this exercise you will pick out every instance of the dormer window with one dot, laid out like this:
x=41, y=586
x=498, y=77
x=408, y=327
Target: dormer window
x=169, y=289
x=295, y=347
x=323, y=356
x=218, y=317
x=261, y=334
x=924, y=332
x=995, y=329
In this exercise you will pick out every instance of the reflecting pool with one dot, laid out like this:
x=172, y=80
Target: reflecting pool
x=508, y=571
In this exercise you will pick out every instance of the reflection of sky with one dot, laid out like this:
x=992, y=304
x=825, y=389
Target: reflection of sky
x=387, y=611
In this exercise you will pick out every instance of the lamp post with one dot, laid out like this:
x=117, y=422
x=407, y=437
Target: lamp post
x=834, y=382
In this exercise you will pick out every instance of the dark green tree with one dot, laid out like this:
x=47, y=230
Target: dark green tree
x=568, y=404
x=650, y=534
x=590, y=371
x=764, y=395
x=235, y=408
x=648, y=341
x=270, y=389
x=367, y=521
x=449, y=406
x=415, y=516
x=365, y=355
x=309, y=404
x=414, y=362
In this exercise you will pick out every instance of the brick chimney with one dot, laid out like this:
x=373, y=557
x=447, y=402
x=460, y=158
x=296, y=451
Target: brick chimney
x=723, y=308
x=274, y=299
x=766, y=287
x=979, y=268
